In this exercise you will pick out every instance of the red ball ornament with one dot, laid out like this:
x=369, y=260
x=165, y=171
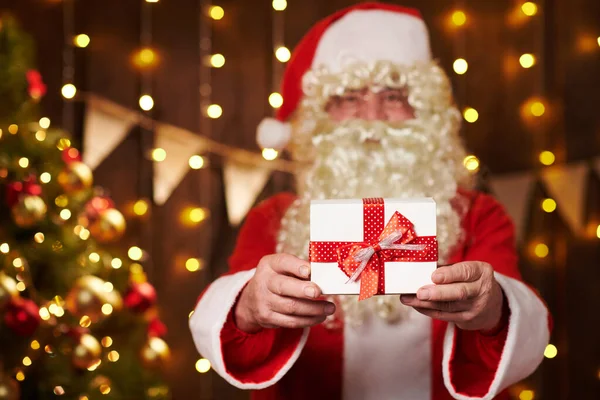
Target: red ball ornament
x=36, y=86
x=15, y=190
x=156, y=328
x=76, y=332
x=140, y=297
x=96, y=206
x=22, y=316
x=71, y=154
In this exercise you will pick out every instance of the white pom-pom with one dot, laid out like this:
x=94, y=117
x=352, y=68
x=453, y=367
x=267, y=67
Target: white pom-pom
x=273, y=134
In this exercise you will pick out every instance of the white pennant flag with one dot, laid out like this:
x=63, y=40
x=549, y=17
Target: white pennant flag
x=106, y=125
x=513, y=192
x=243, y=183
x=179, y=145
x=567, y=186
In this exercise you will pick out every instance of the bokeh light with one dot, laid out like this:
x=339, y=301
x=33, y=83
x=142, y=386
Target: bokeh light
x=461, y=66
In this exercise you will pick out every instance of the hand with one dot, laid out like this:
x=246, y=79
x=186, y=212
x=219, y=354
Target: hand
x=465, y=293
x=279, y=296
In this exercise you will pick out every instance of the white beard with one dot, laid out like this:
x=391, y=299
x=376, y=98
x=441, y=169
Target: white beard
x=414, y=159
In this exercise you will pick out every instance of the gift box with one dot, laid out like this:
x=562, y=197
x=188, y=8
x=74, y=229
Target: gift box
x=372, y=246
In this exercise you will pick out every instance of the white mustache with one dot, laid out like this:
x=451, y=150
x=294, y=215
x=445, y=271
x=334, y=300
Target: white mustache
x=371, y=132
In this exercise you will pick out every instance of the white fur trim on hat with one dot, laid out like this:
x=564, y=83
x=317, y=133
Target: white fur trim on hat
x=273, y=134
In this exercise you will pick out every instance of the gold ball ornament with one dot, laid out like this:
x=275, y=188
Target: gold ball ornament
x=109, y=226
x=75, y=176
x=8, y=289
x=100, y=383
x=88, y=295
x=155, y=353
x=28, y=211
x=9, y=388
x=87, y=352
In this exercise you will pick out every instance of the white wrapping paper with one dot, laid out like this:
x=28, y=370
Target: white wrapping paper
x=342, y=221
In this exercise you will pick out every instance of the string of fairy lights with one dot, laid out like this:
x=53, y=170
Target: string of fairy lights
x=281, y=55
x=531, y=111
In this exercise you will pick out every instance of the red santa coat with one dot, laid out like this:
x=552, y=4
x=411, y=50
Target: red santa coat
x=416, y=359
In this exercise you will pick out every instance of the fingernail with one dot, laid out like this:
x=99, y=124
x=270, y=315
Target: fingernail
x=423, y=294
x=304, y=271
x=310, y=291
x=404, y=299
x=329, y=309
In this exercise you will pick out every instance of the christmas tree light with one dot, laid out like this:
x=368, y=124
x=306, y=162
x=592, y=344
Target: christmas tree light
x=471, y=115
x=69, y=91
x=81, y=40
x=547, y=158
x=214, y=111
x=269, y=154
x=216, y=13
x=217, y=60
x=459, y=18
x=460, y=66
x=203, y=365
x=529, y=8
x=275, y=100
x=549, y=205
x=527, y=60
x=283, y=54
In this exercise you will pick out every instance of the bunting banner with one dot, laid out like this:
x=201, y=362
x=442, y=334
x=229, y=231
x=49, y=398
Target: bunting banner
x=179, y=145
x=245, y=172
x=567, y=184
x=513, y=192
x=106, y=125
x=243, y=183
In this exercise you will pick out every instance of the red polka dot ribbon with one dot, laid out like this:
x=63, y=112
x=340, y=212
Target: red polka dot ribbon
x=392, y=242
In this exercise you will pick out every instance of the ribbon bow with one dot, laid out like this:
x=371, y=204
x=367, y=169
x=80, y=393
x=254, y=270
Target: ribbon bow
x=354, y=258
x=395, y=241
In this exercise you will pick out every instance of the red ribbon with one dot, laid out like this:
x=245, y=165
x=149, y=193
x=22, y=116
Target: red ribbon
x=375, y=231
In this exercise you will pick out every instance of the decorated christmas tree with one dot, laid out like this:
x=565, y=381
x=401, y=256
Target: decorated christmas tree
x=78, y=319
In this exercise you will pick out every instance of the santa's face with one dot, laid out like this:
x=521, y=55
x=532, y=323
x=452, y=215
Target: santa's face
x=370, y=104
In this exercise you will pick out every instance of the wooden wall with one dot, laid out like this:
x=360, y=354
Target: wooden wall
x=567, y=76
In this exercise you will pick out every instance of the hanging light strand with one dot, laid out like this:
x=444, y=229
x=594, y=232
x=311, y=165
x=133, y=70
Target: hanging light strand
x=69, y=89
x=458, y=18
x=278, y=20
x=146, y=101
x=536, y=106
x=461, y=67
x=147, y=140
x=208, y=111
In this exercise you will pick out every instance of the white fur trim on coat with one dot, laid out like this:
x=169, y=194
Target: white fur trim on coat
x=209, y=317
x=528, y=335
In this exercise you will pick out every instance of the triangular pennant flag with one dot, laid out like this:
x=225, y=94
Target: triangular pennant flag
x=243, y=183
x=106, y=125
x=597, y=166
x=566, y=184
x=513, y=192
x=179, y=145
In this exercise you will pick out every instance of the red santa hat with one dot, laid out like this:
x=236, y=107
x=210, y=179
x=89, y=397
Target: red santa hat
x=366, y=32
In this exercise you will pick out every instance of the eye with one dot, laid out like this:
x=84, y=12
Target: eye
x=394, y=97
x=350, y=98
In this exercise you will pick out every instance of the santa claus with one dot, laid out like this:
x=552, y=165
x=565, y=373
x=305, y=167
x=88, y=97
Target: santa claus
x=371, y=115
